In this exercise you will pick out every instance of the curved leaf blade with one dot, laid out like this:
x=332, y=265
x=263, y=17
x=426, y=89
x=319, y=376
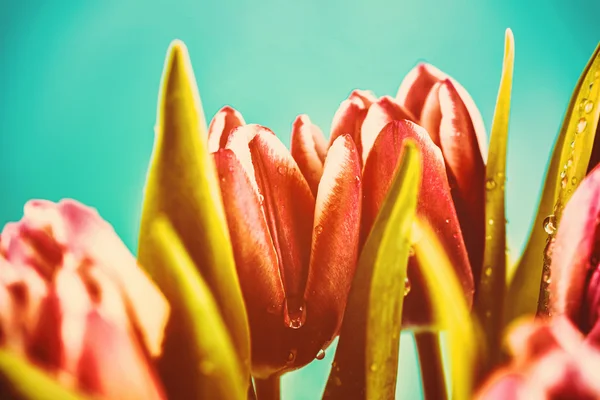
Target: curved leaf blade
x=490, y=297
x=568, y=166
x=199, y=359
x=451, y=310
x=23, y=381
x=182, y=185
x=366, y=360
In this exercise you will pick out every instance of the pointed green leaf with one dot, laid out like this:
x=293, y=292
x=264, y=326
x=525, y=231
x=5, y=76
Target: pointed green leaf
x=490, y=297
x=182, y=185
x=199, y=359
x=366, y=361
x=450, y=308
x=23, y=381
x=568, y=165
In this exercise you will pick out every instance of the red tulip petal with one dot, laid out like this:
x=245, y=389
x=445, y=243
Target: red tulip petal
x=256, y=263
x=349, y=117
x=463, y=158
x=334, y=246
x=308, y=147
x=221, y=125
x=431, y=114
x=576, y=253
x=416, y=87
x=385, y=110
x=434, y=205
x=113, y=364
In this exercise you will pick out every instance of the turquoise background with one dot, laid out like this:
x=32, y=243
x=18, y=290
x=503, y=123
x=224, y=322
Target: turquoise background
x=79, y=83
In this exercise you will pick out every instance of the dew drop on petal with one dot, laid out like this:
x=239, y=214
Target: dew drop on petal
x=281, y=169
x=589, y=105
x=357, y=179
x=490, y=222
x=488, y=271
x=294, y=312
x=490, y=184
x=574, y=180
x=318, y=229
x=563, y=182
x=374, y=367
x=320, y=355
x=261, y=198
x=581, y=125
x=292, y=356
x=546, y=276
x=447, y=220
x=550, y=224
x=573, y=144
x=407, y=286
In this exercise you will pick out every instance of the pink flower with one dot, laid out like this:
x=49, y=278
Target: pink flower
x=550, y=360
x=74, y=302
x=575, y=268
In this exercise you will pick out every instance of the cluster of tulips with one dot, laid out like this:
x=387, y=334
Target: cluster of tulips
x=253, y=258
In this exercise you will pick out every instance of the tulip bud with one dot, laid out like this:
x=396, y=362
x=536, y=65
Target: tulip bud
x=295, y=254
x=74, y=302
x=575, y=268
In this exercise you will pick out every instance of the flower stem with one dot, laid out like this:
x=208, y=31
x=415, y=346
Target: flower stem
x=432, y=367
x=268, y=389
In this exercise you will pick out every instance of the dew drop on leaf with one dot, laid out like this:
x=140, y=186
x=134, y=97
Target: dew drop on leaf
x=550, y=224
x=407, y=286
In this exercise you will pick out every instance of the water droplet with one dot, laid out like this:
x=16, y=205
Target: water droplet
x=563, y=173
x=261, y=198
x=490, y=184
x=357, y=179
x=550, y=224
x=490, y=222
x=546, y=276
x=292, y=356
x=574, y=180
x=581, y=125
x=573, y=144
x=563, y=182
x=222, y=178
x=281, y=169
x=488, y=271
x=374, y=367
x=569, y=162
x=294, y=312
x=589, y=105
x=318, y=229
x=320, y=355
x=407, y=286
x=447, y=220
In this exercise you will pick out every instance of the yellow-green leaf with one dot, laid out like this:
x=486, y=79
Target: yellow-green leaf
x=568, y=166
x=182, y=185
x=20, y=380
x=199, y=359
x=366, y=361
x=451, y=312
x=490, y=296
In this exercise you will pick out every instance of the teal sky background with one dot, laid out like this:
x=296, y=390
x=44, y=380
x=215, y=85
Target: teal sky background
x=79, y=83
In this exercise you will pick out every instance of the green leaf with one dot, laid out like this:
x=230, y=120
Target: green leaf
x=451, y=312
x=568, y=166
x=490, y=297
x=23, y=381
x=199, y=359
x=366, y=360
x=182, y=185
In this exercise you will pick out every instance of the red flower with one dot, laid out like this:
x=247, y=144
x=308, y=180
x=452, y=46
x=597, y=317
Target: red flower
x=74, y=302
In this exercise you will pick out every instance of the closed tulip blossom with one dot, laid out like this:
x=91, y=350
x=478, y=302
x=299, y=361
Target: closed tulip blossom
x=575, y=267
x=74, y=302
x=550, y=361
x=295, y=249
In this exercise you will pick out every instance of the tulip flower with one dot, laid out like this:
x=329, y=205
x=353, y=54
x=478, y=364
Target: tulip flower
x=575, y=267
x=74, y=302
x=454, y=147
x=295, y=251
x=550, y=360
